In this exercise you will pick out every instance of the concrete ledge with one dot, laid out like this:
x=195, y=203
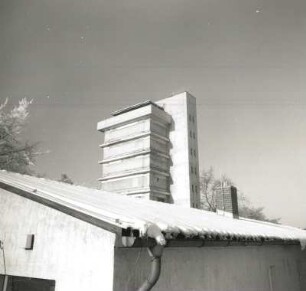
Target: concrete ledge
x=135, y=106
x=136, y=172
x=137, y=136
x=134, y=115
x=152, y=190
x=140, y=153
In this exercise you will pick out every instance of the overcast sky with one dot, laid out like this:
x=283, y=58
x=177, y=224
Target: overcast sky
x=244, y=61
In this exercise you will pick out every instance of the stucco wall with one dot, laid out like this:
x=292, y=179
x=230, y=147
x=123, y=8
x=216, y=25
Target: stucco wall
x=79, y=256
x=214, y=269
x=184, y=151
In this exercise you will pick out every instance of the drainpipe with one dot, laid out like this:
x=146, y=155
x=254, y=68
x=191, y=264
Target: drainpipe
x=155, y=253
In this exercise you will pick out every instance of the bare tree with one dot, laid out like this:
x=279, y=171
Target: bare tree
x=16, y=155
x=207, y=190
x=208, y=185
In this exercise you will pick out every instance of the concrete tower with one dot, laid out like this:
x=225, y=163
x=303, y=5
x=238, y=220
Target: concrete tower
x=136, y=152
x=183, y=135
x=150, y=151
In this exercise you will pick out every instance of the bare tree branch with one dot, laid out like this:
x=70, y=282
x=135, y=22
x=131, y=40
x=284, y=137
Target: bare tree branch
x=15, y=154
x=208, y=185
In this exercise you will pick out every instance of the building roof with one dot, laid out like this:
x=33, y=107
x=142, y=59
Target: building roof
x=138, y=112
x=135, y=106
x=115, y=212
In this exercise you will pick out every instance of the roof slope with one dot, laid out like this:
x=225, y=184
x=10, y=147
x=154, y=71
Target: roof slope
x=125, y=212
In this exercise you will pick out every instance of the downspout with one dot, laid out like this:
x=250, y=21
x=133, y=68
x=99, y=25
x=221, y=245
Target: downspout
x=155, y=253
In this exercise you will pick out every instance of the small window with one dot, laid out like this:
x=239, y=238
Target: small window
x=190, y=133
x=191, y=152
x=193, y=119
x=192, y=188
x=29, y=242
x=194, y=135
x=191, y=169
x=196, y=189
x=195, y=170
x=194, y=153
x=190, y=117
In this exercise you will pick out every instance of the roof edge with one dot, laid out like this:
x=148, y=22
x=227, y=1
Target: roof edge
x=69, y=211
x=141, y=242
x=135, y=106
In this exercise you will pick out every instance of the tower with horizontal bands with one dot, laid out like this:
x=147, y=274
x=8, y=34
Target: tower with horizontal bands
x=150, y=151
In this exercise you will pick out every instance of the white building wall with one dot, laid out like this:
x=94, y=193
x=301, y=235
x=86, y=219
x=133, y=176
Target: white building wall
x=77, y=255
x=184, y=186
x=243, y=268
x=193, y=151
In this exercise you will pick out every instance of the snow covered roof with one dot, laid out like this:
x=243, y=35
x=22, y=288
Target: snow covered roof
x=121, y=212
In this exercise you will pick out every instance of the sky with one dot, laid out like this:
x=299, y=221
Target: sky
x=244, y=61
